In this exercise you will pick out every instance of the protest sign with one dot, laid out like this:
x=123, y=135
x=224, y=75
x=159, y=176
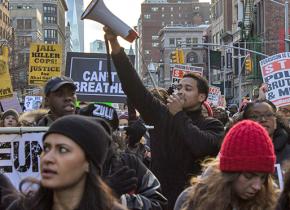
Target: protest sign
x=11, y=103
x=6, y=90
x=276, y=74
x=214, y=95
x=20, y=156
x=179, y=70
x=32, y=103
x=89, y=72
x=45, y=62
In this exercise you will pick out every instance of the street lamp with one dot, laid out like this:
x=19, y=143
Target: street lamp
x=286, y=23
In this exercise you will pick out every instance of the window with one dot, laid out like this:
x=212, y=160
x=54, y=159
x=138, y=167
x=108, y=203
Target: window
x=27, y=24
x=155, y=44
x=178, y=41
x=50, y=33
x=162, y=8
x=154, y=9
x=171, y=15
x=188, y=42
x=171, y=41
x=155, y=37
x=147, y=16
x=147, y=52
x=171, y=9
x=194, y=40
x=163, y=15
x=20, y=24
x=179, y=15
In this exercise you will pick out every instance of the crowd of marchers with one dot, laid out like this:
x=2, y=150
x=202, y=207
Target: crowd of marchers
x=197, y=156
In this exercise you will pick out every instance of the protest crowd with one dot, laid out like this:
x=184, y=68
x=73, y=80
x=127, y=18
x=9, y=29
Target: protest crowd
x=165, y=149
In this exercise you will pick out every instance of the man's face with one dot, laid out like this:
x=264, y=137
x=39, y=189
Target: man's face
x=187, y=89
x=62, y=101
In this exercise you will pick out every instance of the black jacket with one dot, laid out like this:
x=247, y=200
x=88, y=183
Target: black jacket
x=147, y=195
x=8, y=193
x=178, y=142
x=281, y=146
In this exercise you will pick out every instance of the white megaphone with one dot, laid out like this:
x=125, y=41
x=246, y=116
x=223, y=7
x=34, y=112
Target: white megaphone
x=98, y=11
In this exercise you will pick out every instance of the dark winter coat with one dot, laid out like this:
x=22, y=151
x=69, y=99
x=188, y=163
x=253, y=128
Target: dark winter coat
x=178, y=142
x=281, y=146
x=7, y=192
x=147, y=195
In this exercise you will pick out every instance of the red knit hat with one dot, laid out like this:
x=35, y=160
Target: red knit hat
x=247, y=147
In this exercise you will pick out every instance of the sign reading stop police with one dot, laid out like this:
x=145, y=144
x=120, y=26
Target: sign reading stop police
x=44, y=63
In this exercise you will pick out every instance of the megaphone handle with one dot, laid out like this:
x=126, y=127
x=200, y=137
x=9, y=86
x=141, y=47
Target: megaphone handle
x=108, y=61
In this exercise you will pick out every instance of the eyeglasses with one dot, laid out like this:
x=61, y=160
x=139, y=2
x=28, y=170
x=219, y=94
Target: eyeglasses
x=284, y=110
x=260, y=117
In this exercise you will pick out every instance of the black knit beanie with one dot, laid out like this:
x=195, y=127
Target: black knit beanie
x=88, y=133
x=103, y=111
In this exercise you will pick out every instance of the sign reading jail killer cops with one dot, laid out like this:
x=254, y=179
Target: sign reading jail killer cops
x=276, y=73
x=179, y=70
x=89, y=72
x=6, y=90
x=20, y=156
x=44, y=63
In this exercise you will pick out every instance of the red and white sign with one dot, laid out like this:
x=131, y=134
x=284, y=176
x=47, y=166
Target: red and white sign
x=179, y=70
x=276, y=74
x=214, y=95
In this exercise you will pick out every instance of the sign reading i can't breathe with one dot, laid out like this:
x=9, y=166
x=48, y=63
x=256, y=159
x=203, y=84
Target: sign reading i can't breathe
x=276, y=74
x=89, y=72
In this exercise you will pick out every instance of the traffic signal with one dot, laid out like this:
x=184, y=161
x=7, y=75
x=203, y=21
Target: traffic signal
x=175, y=56
x=181, y=56
x=249, y=65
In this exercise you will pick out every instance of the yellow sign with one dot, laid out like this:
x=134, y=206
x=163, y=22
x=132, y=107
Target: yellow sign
x=6, y=90
x=45, y=62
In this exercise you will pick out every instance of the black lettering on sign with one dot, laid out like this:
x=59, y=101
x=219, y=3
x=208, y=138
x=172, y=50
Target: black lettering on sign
x=5, y=156
x=32, y=151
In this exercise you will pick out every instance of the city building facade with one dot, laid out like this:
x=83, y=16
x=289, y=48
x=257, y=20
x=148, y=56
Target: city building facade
x=34, y=21
x=157, y=14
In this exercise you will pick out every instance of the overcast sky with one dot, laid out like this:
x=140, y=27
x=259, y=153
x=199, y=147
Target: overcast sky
x=127, y=10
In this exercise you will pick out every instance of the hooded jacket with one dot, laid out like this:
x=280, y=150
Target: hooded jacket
x=178, y=142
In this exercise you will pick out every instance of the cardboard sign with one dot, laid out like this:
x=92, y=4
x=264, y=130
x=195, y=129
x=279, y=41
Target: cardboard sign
x=11, y=103
x=6, y=90
x=179, y=70
x=89, y=72
x=214, y=95
x=45, y=62
x=276, y=74
x=20, y=156
x=32, y=103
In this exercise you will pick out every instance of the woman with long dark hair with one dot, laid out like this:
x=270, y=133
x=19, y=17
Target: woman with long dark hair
x=74, y=150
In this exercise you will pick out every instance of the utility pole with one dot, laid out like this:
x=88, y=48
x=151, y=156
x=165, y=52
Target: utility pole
x=286, y=26
x=225, y=69
x=240, y=76
x=208, y=67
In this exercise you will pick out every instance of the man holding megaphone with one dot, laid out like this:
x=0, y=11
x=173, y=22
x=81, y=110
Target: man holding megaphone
x=181, y=136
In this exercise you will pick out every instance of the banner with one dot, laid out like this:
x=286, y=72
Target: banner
x=214, y=95
x=6, y=90
x=11, y=103
x=20, y=156
x=45, y=62
x=32, y=103
x=276, y=74
x=179, y=70
x=89, y=72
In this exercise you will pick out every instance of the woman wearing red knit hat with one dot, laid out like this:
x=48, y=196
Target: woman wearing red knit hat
x=240, y=178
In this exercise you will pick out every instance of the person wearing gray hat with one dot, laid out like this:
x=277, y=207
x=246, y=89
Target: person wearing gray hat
x=60, y=98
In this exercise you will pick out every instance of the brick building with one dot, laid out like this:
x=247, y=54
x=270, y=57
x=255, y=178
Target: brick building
x=156, y=14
